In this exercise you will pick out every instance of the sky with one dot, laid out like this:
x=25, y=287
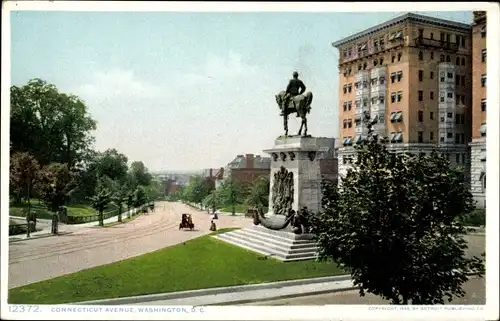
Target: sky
x=189, y=90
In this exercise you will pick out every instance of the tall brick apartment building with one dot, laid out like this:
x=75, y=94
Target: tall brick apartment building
x=413, y=76
x=478, y=144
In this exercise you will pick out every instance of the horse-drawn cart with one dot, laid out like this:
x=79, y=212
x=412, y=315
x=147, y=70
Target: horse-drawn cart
x=186, y=222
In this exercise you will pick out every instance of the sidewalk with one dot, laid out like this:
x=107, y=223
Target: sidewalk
x=63, y=228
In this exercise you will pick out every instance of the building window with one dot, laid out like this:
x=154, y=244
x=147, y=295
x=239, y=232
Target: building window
x=359, y=67
x=375, y=62
x=400, y=96
x=358, y=103
x=449, y=115
x=450, y=95
x=483, y=80
x=457, y=119
x=345, y=89
x=448, y=58
x=457, y=61
x=441, y=98
x=482, y=130
x=483, y=55
x=365, y=102
x=483, y=32
x=431, y=115
x=349, y=123
x=364, y=66
x=431, y=136
x=441, y=139
x=457, y=158
x=381, y=80
x=393, y=97
x=462, y=139
x=420, y=55
x=449, y=75
x=420, y=95
x=432, y=55
x=441, y=58
x=393, y=77
x=432, y=36
x=442, y=76
x=345, y=106
x=463, y=159
x=420, y=137
x=399, y=56
x=431, y=95
x=396, y=116
x=463, y=61
x=420, y=75
x=381, y=99
x=462, y=80
x=483, y=104
x=345, y=123
x=399, y=75
x=449, y=135
x=381, y=61
x=457, y=80
x=431, y=76
x=420, y=116
x=393, y=59
x=374, y=81
x=349, y=88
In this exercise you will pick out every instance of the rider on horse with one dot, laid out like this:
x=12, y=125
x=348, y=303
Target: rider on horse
x=295, y=87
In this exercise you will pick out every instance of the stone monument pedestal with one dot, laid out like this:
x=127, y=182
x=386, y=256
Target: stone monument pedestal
x=295, y=183
x=297, y=155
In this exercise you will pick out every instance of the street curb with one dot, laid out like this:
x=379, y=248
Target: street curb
x=286, y=296
x=40, y=236
x=212, y=291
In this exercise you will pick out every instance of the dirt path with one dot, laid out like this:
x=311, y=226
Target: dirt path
x=45, y=258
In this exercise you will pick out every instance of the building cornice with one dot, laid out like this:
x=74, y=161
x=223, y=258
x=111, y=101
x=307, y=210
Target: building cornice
x=401, y=19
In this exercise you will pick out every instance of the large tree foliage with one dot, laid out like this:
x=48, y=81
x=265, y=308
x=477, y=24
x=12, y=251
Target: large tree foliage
x=231, y=193
x=55, y=185
x=101, y=200
x=52, y=126
x=112, y=164
x=396, y=224
x=23, y=175
x=212, y=201
x=258, y=193
x=197, y=189
x=139, y=174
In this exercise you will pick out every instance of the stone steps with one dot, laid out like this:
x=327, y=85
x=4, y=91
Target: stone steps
x=281, y=245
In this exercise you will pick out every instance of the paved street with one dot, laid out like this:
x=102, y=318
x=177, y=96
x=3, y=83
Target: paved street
x=45, y=258
x=475, y=289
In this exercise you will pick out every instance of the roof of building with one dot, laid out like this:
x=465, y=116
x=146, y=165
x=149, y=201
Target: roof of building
x=397, y=20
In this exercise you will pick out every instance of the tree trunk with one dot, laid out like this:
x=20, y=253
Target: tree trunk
x=234, y=210
x=28, y=215
x=120, y=213
x=101, y=218
x=128, y=212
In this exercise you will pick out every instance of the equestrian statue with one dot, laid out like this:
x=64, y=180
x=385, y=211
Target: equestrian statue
x=293, y=100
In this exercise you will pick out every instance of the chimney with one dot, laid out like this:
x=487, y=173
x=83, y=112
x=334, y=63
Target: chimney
x=249, y=160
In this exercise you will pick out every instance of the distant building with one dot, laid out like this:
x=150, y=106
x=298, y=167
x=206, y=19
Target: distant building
x=328, y=161
x=211, y=175
x=244, y=169
x=170, y=186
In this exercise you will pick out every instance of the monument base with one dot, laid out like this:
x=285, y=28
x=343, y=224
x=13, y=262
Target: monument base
x=281, y=245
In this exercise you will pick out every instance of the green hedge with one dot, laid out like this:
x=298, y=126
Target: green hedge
x=476, y=218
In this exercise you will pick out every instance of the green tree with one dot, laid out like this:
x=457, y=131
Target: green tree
x=119, y=197
x=139, y=174
x=231, y=194
x=112, y=164
x=100, y=200
x=197, y=190
x=23, y=176
x=140, y=196
x=130, y=202
x=396, y=224
x=55, y=185
x=212, y=201
x=52, y=126
x=258, y=193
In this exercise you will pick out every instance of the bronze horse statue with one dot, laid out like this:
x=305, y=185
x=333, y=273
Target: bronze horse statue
x=301, y=104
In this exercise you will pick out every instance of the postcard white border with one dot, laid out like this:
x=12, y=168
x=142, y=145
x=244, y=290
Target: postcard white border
x=357, y=312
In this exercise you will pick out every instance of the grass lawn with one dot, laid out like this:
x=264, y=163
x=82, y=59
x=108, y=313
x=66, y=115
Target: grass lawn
x=200, y=263
x=240, y=208
x=44, y=213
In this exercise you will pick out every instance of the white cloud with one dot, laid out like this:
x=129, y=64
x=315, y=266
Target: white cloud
x=200, y=118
